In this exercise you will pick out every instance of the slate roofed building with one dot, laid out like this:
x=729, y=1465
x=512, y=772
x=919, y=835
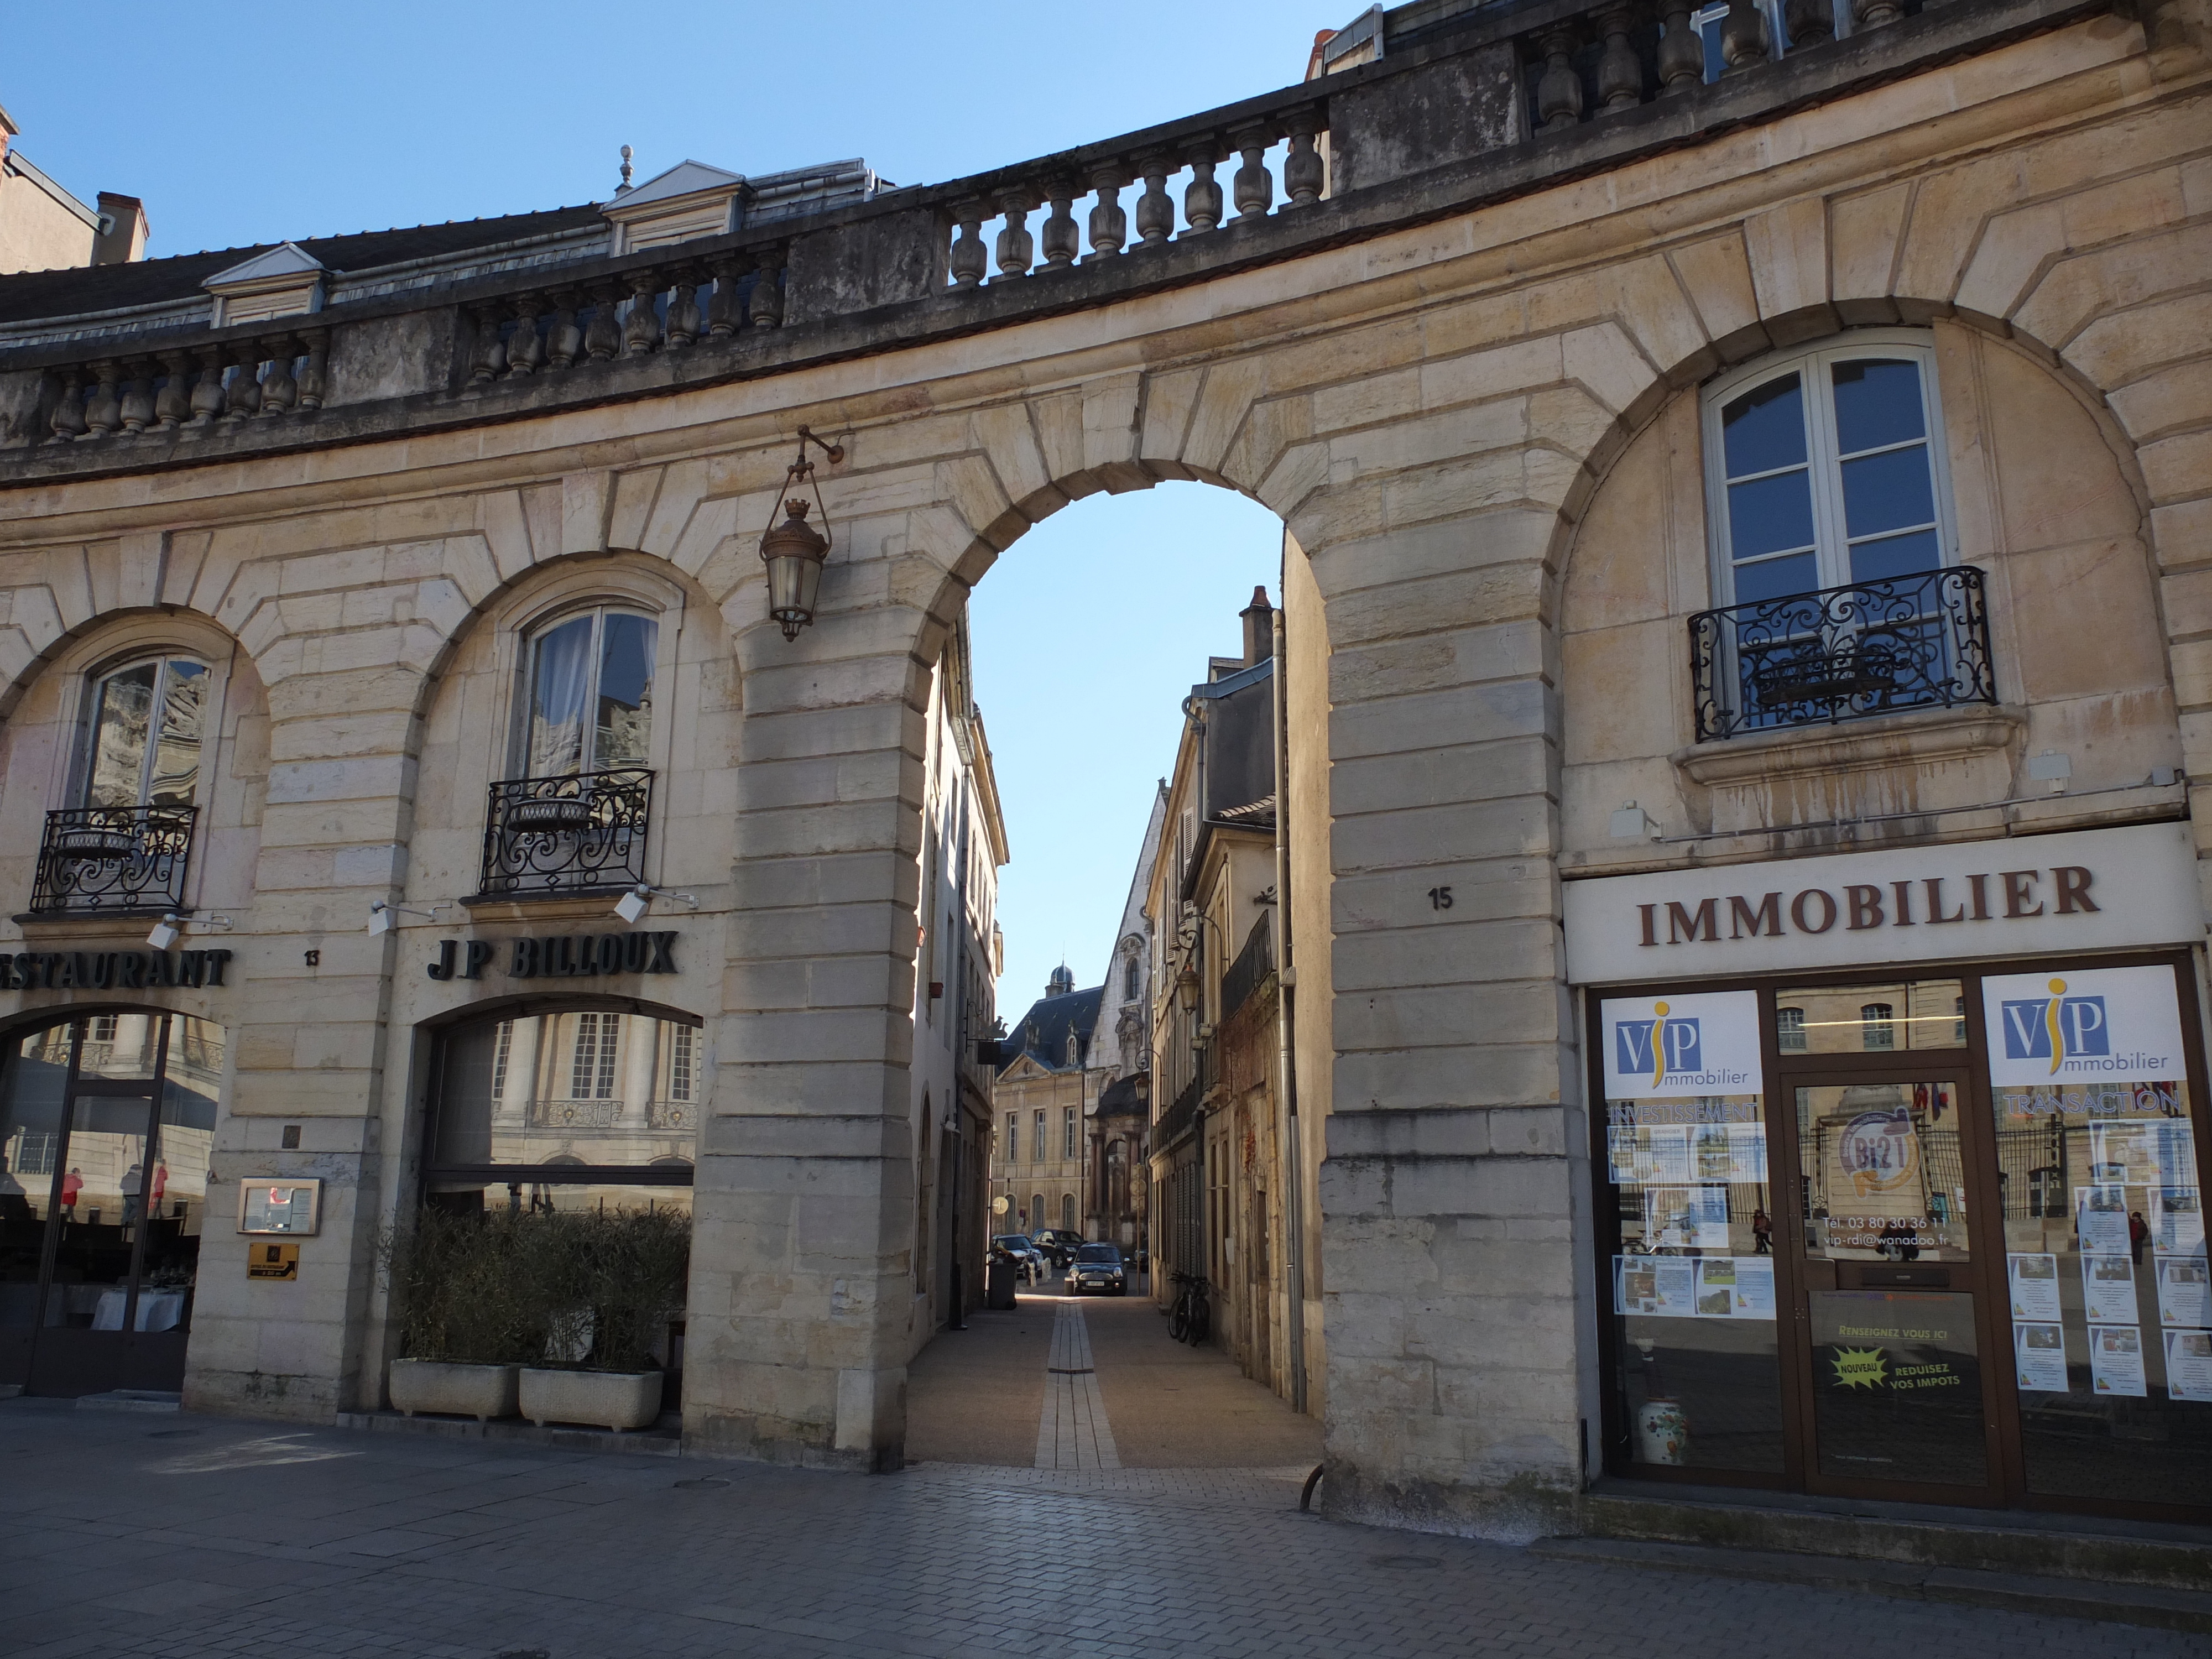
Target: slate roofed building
x=1046, y=1090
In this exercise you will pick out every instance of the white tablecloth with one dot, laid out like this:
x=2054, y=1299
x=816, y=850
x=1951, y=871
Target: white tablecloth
x=158, y=1311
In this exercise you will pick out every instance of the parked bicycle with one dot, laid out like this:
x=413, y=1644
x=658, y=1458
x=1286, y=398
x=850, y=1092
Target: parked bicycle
x=1190, y=1320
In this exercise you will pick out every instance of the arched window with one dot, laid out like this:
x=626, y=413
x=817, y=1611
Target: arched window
x=588, y=702
x=1826, y=469
x=1130, y=982
x=142, y=737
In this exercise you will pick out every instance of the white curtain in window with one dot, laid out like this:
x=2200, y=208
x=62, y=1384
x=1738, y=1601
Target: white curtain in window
x=559, y=674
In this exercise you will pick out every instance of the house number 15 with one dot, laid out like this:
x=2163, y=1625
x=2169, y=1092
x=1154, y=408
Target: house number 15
x=1439, y=898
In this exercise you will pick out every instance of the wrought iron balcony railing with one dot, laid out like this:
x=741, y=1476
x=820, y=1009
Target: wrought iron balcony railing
x=1842, y=653
x=553, y=836
x=101, y=861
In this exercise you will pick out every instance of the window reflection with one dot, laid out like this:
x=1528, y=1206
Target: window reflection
x=1867, y=1018
x=590, y=1087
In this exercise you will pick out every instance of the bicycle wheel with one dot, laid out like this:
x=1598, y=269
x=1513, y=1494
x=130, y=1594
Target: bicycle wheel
x=1178, y=1320
x=1202, y=1324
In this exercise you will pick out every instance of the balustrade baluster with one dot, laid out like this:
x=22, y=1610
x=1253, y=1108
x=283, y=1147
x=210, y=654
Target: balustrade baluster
x=1305, y=177
x=765, y=307
x=1109, y=225
x=683, y=318
x=491, y=350
x=1619, y=71
x=1059, y=242
x=966, y=261
x=242, y=398
x=722, y=311
x=173, y=402
x=138, y=396
x=1015, y=249
x=315, y=379
x=564, y=341
x=1681, y=52
x=1877, y=14
x=104, y=412
x=526, y=352
x=1201, y=197
x=641, y=330
x=1559, y=89
x=604, y=338
x=1743, y=37
x=208, y=390
x=279, y=391
x=1155, y=207
x=1253, y=188
x=1808, y=23
x=67, y=418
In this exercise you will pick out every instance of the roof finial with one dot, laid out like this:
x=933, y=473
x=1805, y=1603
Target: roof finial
x=624, y=186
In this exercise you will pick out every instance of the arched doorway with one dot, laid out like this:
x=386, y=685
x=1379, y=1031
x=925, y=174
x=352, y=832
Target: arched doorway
x=106, y=1121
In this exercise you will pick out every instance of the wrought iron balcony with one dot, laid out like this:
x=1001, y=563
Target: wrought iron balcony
x=103, y=861
x=549, y=837
x=1842, y=653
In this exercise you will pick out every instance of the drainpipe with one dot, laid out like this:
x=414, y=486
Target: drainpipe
x=1286, y=979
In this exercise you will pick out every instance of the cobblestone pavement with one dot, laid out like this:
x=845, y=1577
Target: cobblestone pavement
x=186, y=1537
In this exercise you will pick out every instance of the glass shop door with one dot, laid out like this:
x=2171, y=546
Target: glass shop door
x=107, y=1305
x=1900, y=1379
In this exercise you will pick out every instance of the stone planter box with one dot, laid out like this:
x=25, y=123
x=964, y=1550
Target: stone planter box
x=603, y=1398
x=483, y=1392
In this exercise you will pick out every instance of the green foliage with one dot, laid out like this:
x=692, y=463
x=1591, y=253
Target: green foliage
x=590, y=1289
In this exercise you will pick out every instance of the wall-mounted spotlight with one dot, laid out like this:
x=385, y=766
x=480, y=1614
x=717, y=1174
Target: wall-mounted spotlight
x=165, y=931
x=632, y=906
x=794, y=550
x=381, y=915
x=2052, y=768
x=1632, y=822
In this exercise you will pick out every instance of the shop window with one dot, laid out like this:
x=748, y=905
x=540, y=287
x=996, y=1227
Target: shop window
x=1877, y=1025
x=583, y=1091
x=1789, y=1029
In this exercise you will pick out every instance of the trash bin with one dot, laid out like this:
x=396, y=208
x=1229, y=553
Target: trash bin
x=999, y=1285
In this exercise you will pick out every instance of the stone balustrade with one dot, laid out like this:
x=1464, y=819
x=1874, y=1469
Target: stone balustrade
x=264, y=376
x=1491, y=102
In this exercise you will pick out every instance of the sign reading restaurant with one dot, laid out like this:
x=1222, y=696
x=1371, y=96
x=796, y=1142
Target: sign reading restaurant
x=2022, y=896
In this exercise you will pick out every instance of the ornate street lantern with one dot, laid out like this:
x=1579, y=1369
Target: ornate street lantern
x=1186, y=988
x=794, y=550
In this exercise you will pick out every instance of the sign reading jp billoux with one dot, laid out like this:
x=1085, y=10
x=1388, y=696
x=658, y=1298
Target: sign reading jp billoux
x=2095, y=889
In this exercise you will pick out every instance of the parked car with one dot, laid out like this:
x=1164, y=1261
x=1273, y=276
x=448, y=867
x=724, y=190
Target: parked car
x=1020, y=1246
x=1098, y=1267
x=1059, y=1245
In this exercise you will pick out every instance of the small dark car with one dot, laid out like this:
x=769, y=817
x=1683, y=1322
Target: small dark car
x=1058, y=1243
x=1098, y=1267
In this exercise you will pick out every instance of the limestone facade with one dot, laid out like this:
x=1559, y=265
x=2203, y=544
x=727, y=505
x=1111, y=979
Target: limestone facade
x=1472, y=391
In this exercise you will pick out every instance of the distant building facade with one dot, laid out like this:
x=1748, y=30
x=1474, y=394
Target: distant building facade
x=1045, y=1092
x=43, y=227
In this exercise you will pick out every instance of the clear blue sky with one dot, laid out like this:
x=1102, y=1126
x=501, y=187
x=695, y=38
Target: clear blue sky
x=239, y=124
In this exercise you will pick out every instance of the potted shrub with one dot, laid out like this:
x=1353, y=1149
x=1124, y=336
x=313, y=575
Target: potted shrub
x=465, y=1321
x=606, y=1284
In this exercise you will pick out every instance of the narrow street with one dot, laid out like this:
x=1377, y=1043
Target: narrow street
x=1094, y=1382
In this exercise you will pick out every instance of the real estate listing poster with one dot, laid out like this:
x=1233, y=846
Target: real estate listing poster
x=2184, y=1291
x=2116, y=1360
x=2034, y=1282
x=2039, y=1356
x=1686, y=1217
x=2177, y=1220
x=2100, y=1215
x=2189, y=1364
x=2108, y=1289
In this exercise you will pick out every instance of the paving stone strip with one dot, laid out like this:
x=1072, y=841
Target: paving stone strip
x=1073, y=1432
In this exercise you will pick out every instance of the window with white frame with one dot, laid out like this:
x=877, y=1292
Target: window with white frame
x=143, y=738
x=1825, y=468
x=587, y=702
